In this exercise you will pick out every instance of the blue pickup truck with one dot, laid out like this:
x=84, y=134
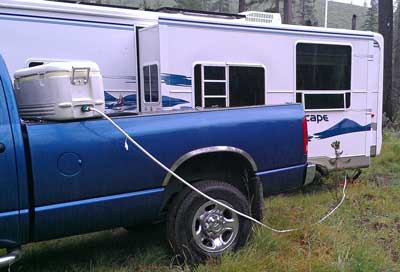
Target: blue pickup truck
x=66, y=178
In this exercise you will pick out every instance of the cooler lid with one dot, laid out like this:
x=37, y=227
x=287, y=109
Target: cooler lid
x=52, y=67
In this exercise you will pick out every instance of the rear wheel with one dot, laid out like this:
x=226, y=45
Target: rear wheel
x=197, y=228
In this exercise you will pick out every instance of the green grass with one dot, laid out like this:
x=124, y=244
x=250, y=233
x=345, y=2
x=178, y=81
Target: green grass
x=364, y=234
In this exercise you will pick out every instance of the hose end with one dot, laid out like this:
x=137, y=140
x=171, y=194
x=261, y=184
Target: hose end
x=86, y=108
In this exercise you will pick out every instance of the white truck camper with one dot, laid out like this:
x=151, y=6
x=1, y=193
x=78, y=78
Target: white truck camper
x=153, y=61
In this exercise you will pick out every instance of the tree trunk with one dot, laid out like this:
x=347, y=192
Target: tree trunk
x=242, y=5
x=386, y=29
x=287, y=12
x=277, y=2
x=303, y=12
x=396, y=62
x=354, y=22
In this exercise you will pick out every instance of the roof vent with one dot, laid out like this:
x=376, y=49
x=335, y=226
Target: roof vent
x=262, y=17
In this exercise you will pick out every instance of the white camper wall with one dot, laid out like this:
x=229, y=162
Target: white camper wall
x=51, y=30
x=183, y=44
x=110, y=46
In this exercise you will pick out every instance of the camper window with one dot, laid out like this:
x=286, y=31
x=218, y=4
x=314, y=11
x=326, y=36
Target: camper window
x=321, y=68
x=214, y=93
x=151, y=83
x=246, y=86
x=229, y=85
x=214, y=72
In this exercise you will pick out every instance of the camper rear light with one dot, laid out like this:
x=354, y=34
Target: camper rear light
x=305, y=136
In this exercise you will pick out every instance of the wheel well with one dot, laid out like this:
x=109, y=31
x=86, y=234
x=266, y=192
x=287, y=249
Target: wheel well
x=229, y=167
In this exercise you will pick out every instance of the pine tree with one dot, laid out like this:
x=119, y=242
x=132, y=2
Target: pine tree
x=242, y=5
x=220, y=6
x=287, y=11
x=307, y=13
x=192, y=4
x=371, y=21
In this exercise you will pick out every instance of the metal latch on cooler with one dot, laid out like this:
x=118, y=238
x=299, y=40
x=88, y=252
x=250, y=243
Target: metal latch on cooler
x=80, y=76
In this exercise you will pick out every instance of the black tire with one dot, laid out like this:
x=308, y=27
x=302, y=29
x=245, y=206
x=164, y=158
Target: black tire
x=184, y=221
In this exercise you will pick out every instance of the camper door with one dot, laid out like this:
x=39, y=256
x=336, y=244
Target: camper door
x=149, y=63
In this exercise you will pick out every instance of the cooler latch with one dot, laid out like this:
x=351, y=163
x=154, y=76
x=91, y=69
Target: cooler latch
x=80, y=76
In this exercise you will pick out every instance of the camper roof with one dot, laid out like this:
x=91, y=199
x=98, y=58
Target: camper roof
x=78, y=9
x=171, y=14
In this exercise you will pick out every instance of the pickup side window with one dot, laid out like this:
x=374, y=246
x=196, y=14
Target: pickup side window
x=323, y=76
x=151, y=83
x=230, y=85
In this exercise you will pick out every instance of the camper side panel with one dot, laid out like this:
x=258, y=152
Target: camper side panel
x=188, y=44
x=37, y=37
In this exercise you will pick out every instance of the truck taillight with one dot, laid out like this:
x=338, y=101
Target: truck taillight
x=305, y=136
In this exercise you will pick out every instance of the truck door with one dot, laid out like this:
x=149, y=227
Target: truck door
x=9, y=205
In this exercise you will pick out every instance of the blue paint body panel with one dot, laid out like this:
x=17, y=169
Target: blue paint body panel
x=96, y=214
x=74, y=177
x=266, y=133
x=13, y=172
x=282, y=180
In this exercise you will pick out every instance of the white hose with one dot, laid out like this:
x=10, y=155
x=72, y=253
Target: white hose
x=203, y=194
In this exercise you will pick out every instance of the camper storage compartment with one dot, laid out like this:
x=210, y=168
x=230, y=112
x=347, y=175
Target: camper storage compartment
x=57, y=91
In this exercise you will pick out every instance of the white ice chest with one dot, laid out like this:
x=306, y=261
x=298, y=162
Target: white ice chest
x=57, y=90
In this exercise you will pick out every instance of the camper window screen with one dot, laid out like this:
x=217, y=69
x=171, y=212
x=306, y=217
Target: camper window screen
x=150, y=83
x=320, y=68
x=214, y=72
x=246, y=86
x=323, y=67
x=323, y=101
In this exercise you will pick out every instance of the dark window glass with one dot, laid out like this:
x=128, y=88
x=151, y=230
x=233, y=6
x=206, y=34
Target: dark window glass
x=323, y=67
x=154, y=83
x=323, y=101
x=197, y=85
x=214, y=72
x=348, y=100
x=214, y=88
x=150, y=83
x=146, y=83
x=35, y=63
x=246, y=86
x=299, y=98
x=215, y=102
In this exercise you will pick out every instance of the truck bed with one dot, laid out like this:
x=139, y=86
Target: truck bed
x=78, y=163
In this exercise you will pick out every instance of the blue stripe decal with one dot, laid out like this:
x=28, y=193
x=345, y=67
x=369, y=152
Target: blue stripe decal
x=129, y=102
x=99, y=199
x=258, y=28
x=176, y=80
x=281, y=169
x=168, y=101
x=49, y=20
x=343, y=127
x=13, y=213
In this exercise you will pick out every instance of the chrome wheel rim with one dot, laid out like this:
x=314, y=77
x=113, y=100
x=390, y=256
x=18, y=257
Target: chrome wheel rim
x=214, y=227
